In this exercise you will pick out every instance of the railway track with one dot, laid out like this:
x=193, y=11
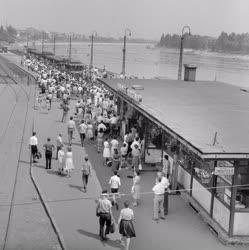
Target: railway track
x=13, y=77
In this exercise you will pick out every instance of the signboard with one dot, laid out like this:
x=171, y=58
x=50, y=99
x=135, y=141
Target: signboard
x=129, y=92
x=224, y=171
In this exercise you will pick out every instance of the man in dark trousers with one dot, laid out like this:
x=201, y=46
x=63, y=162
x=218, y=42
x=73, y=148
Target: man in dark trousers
x=49, y=147
x=33, y=142
x=104, y=212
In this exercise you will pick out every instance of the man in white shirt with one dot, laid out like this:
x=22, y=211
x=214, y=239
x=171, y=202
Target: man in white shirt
x=158, y=207
x=33, y=142
x=82, y=131
x=114, y=144
x=165, y=182
x=113, y=123
x=100, y=118
x=59, y=144
x=115, y=184
x=104, y=212
x=136, y=142
x=71, y=128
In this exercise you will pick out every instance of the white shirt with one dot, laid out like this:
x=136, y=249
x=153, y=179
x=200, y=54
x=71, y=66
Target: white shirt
x=83, y=128
x=113, y=120
x=115, y=181
x=114, y=143
x=102, y=125
x=33, y=140
x=59, y=141
x=159, y=188
x=71, y=124
x=135, y=143
x=165, y=182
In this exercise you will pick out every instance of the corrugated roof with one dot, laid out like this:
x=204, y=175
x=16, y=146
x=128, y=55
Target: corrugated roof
x=196, y=110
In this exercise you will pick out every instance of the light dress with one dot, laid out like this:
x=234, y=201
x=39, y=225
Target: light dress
x=69, y=161
x=136, y=187
x=61, y=155
x=89, y=131
x=106, y=151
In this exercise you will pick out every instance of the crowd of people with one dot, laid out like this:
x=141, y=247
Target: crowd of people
x=96, y=121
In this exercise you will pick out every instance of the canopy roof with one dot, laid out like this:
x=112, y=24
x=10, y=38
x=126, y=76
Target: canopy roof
x=195, y=111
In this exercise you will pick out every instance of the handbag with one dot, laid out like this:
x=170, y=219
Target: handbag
x=112, y=227
x=38, y=155
x=140, y=166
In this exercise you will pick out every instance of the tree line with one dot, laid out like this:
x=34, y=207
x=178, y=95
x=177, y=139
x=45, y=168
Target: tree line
x=10, y=35
x=7, y=34
x=237, y=43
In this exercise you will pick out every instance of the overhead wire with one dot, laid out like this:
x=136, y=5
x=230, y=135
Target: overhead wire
x=118, y=195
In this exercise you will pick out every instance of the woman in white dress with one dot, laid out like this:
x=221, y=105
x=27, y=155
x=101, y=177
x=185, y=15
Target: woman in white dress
x=135, y=190
x=69, y=162
x=106, y=151
x=61, y=155
x=89, y=131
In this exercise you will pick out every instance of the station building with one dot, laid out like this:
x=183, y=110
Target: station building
x=203, y=127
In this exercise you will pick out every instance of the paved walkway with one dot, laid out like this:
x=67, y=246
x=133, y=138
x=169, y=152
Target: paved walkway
x=30, y=227
x=74, y=211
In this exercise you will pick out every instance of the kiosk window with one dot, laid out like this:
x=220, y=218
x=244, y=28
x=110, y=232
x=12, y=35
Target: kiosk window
x=242, y=183
x=203, y=171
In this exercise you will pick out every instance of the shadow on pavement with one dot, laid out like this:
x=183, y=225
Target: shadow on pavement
x=109, y=242
x=76, y=187
x=39, y=166
x=54, y=172
x=76, y=144
x=25, y=162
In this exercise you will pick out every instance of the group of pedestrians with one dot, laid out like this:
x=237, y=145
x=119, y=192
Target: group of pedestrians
x=96, y=119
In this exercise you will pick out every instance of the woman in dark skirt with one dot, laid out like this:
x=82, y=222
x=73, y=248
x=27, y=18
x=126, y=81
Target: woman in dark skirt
x=126, y=228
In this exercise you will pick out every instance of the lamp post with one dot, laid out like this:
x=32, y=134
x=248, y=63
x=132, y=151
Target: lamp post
x=70, y=48
x=127, y=31
x=42, y=42
x=181, y=51
x=54, y=45
x=94, y=34
x=27, y=40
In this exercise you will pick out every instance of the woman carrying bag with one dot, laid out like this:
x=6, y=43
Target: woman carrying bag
x=125, y=222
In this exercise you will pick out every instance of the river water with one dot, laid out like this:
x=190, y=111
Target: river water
x=144, y=60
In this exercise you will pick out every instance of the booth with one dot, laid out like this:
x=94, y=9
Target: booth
x=196, y=125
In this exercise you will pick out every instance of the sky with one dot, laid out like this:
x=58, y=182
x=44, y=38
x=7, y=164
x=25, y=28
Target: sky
x=145, y=18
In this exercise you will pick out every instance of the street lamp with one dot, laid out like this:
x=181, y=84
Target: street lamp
x=42, y=42
x=181, y=51
x=94, y=34
x=127, y=32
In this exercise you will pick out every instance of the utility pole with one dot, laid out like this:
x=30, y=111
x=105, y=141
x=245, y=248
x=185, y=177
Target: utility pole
x=54, y=45
x=180, y=60
x=27, y=40
x=181, y=52
x=124, y=51
x=34, y=40
x=91, y=58
x=42, y=42
x=70, y=49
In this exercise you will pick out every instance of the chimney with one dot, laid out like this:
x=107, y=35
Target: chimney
x=189, y=72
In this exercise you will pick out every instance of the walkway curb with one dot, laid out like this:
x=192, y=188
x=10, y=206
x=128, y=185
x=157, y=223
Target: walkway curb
x=48, y=211
x=35, y=182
